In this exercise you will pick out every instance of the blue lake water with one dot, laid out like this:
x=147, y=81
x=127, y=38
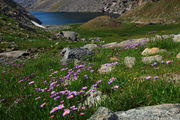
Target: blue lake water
x=60, y=18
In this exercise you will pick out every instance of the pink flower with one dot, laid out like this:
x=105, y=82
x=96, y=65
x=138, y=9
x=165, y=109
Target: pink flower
x=82, y=114
x=57, y=108
x=66, y=112
x=169, y=61
x=83, y=108
x=73, y=107
x=32, y=82
x=37, y=98
x=69, y=97
x=62, y=101
x=84, y=88
x=115, y=87
x=42, y=105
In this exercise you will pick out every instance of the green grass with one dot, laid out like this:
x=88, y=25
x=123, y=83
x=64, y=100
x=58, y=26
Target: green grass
x=133, y=92
x=126, y=31
x=163, y=10
x=17, y=99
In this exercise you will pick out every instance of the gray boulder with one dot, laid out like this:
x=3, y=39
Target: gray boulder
x=129, y=61
x=14, y=54
x=150, y=59
x=69, y=35
x=104, y=114
x=157, y=112
x=75, y=53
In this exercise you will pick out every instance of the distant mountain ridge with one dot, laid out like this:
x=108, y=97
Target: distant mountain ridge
x=111, y=6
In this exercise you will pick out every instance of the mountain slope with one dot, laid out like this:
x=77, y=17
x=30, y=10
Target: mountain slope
x=15, y=11
x=166, y=10
x=112, y=6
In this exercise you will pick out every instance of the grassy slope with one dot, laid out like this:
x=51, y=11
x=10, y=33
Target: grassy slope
x=167, y=10
x=19, y=103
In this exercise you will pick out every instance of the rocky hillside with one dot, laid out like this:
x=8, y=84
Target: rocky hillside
x=163, y=10
x=11, y=9
x=112, y=6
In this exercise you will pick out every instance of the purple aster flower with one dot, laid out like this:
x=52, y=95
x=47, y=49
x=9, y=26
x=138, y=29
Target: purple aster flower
x=66, y=112
x=148, y=77
x=56, y=98
x=156, y=77
x=84, y=88
x=86, y=77
x=99, y=81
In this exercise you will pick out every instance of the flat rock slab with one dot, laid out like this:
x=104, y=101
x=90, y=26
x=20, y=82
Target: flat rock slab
x=14, y=54
x=158, y=112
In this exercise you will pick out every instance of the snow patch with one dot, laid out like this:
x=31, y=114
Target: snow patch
x=38, y=25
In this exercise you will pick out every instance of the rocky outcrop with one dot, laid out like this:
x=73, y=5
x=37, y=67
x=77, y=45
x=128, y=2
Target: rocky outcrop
x=158, y=112
x=75, y=53
x=15, y=11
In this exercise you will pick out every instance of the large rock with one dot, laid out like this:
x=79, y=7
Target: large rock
x=104, y=114
x=106, y=68
x=69, y=35
x=129, y=61
x=75, y=53
x=14, y=54
x=128, y=43
x=150, y=59
x=90, y=47
x=176, y=38
x=158, y=112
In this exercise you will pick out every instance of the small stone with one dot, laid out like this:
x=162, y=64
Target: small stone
x=106, y=68
x=150, y=59
x=129, y=61
x=93, y=97
x=178, y=56
x=90, y=47
x=114, y=58
x=176, y=38
x=150, y=51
